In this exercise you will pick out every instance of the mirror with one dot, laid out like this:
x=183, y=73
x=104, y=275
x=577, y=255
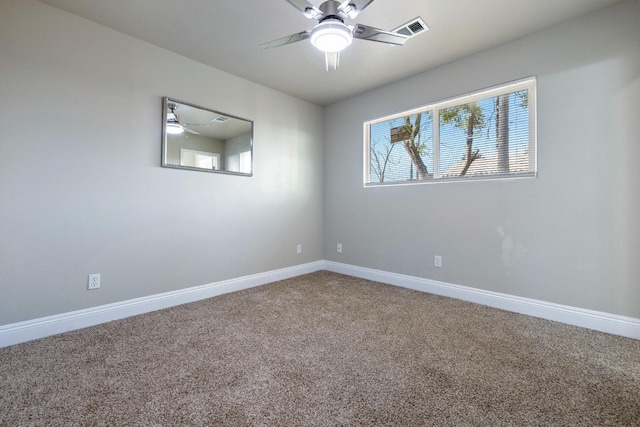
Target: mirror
x=196, y=138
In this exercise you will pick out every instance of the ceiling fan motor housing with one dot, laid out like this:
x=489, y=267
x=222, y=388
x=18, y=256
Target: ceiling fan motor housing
x=330, y=10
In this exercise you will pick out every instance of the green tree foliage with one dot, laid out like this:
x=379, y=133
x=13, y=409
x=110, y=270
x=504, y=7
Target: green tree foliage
x=523, y=96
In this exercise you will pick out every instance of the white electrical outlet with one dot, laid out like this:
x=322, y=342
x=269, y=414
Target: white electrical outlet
x=94, y=281
x=437, y=261
x=299, y=248
x=339, y=248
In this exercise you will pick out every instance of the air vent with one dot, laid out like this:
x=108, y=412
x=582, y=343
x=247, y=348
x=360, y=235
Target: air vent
x=412, y=28
x=220, y=119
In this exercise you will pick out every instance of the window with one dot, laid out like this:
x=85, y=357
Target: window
x=240, y=162
x=199, y=159
x=245, y=162
x=488, y=134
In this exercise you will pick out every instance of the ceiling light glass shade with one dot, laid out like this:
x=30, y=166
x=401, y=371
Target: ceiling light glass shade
x=331, y=35
x=174, y=129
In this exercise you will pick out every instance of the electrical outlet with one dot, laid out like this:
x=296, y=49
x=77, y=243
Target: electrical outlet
x=299, y=248
x=437, y=261
x=94, y=281
x=339, y=248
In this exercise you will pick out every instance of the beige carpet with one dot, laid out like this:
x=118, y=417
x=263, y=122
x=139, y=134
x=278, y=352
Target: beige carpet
x=321, y=350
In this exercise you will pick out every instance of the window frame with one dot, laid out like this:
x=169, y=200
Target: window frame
x=529, y=83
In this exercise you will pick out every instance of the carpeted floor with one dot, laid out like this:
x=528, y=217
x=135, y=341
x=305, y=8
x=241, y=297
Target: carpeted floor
x=320, y=350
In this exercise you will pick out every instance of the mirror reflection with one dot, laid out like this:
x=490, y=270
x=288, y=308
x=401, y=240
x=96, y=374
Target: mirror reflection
x=197, y=138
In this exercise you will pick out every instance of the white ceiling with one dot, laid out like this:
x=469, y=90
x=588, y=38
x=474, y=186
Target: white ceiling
x=225, y=34
x=202, y=122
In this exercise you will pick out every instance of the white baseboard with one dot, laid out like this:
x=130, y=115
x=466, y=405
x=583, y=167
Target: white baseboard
x=16, y=333
x=599, y=321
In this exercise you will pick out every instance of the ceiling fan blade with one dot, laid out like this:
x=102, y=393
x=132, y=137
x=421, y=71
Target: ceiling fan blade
x=309, y=10
x=332, y=60
x=366, y=32
x=286, y=40
x=351, y=8
x=190, y=131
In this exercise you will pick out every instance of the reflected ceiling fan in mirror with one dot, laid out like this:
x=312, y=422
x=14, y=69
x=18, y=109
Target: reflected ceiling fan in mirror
x=331, y=35
x=174, y=127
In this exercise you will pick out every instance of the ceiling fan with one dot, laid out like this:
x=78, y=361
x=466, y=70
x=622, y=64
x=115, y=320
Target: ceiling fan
x=331, y=35
x=174, y=127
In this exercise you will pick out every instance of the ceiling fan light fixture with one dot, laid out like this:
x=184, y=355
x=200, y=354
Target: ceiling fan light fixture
x=331, y=35
x=174, y=129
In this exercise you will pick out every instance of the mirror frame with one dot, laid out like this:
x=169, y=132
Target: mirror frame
x=165, y=105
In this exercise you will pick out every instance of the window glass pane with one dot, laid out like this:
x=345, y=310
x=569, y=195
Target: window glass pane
x=401, y=149
x=245, y=162
x=489, y=136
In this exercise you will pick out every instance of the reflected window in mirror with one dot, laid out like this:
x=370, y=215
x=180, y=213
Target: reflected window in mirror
x=199, y=159
x=201, y=139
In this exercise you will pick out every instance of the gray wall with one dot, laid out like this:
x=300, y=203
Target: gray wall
x=570, y=236
x=82, y=190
